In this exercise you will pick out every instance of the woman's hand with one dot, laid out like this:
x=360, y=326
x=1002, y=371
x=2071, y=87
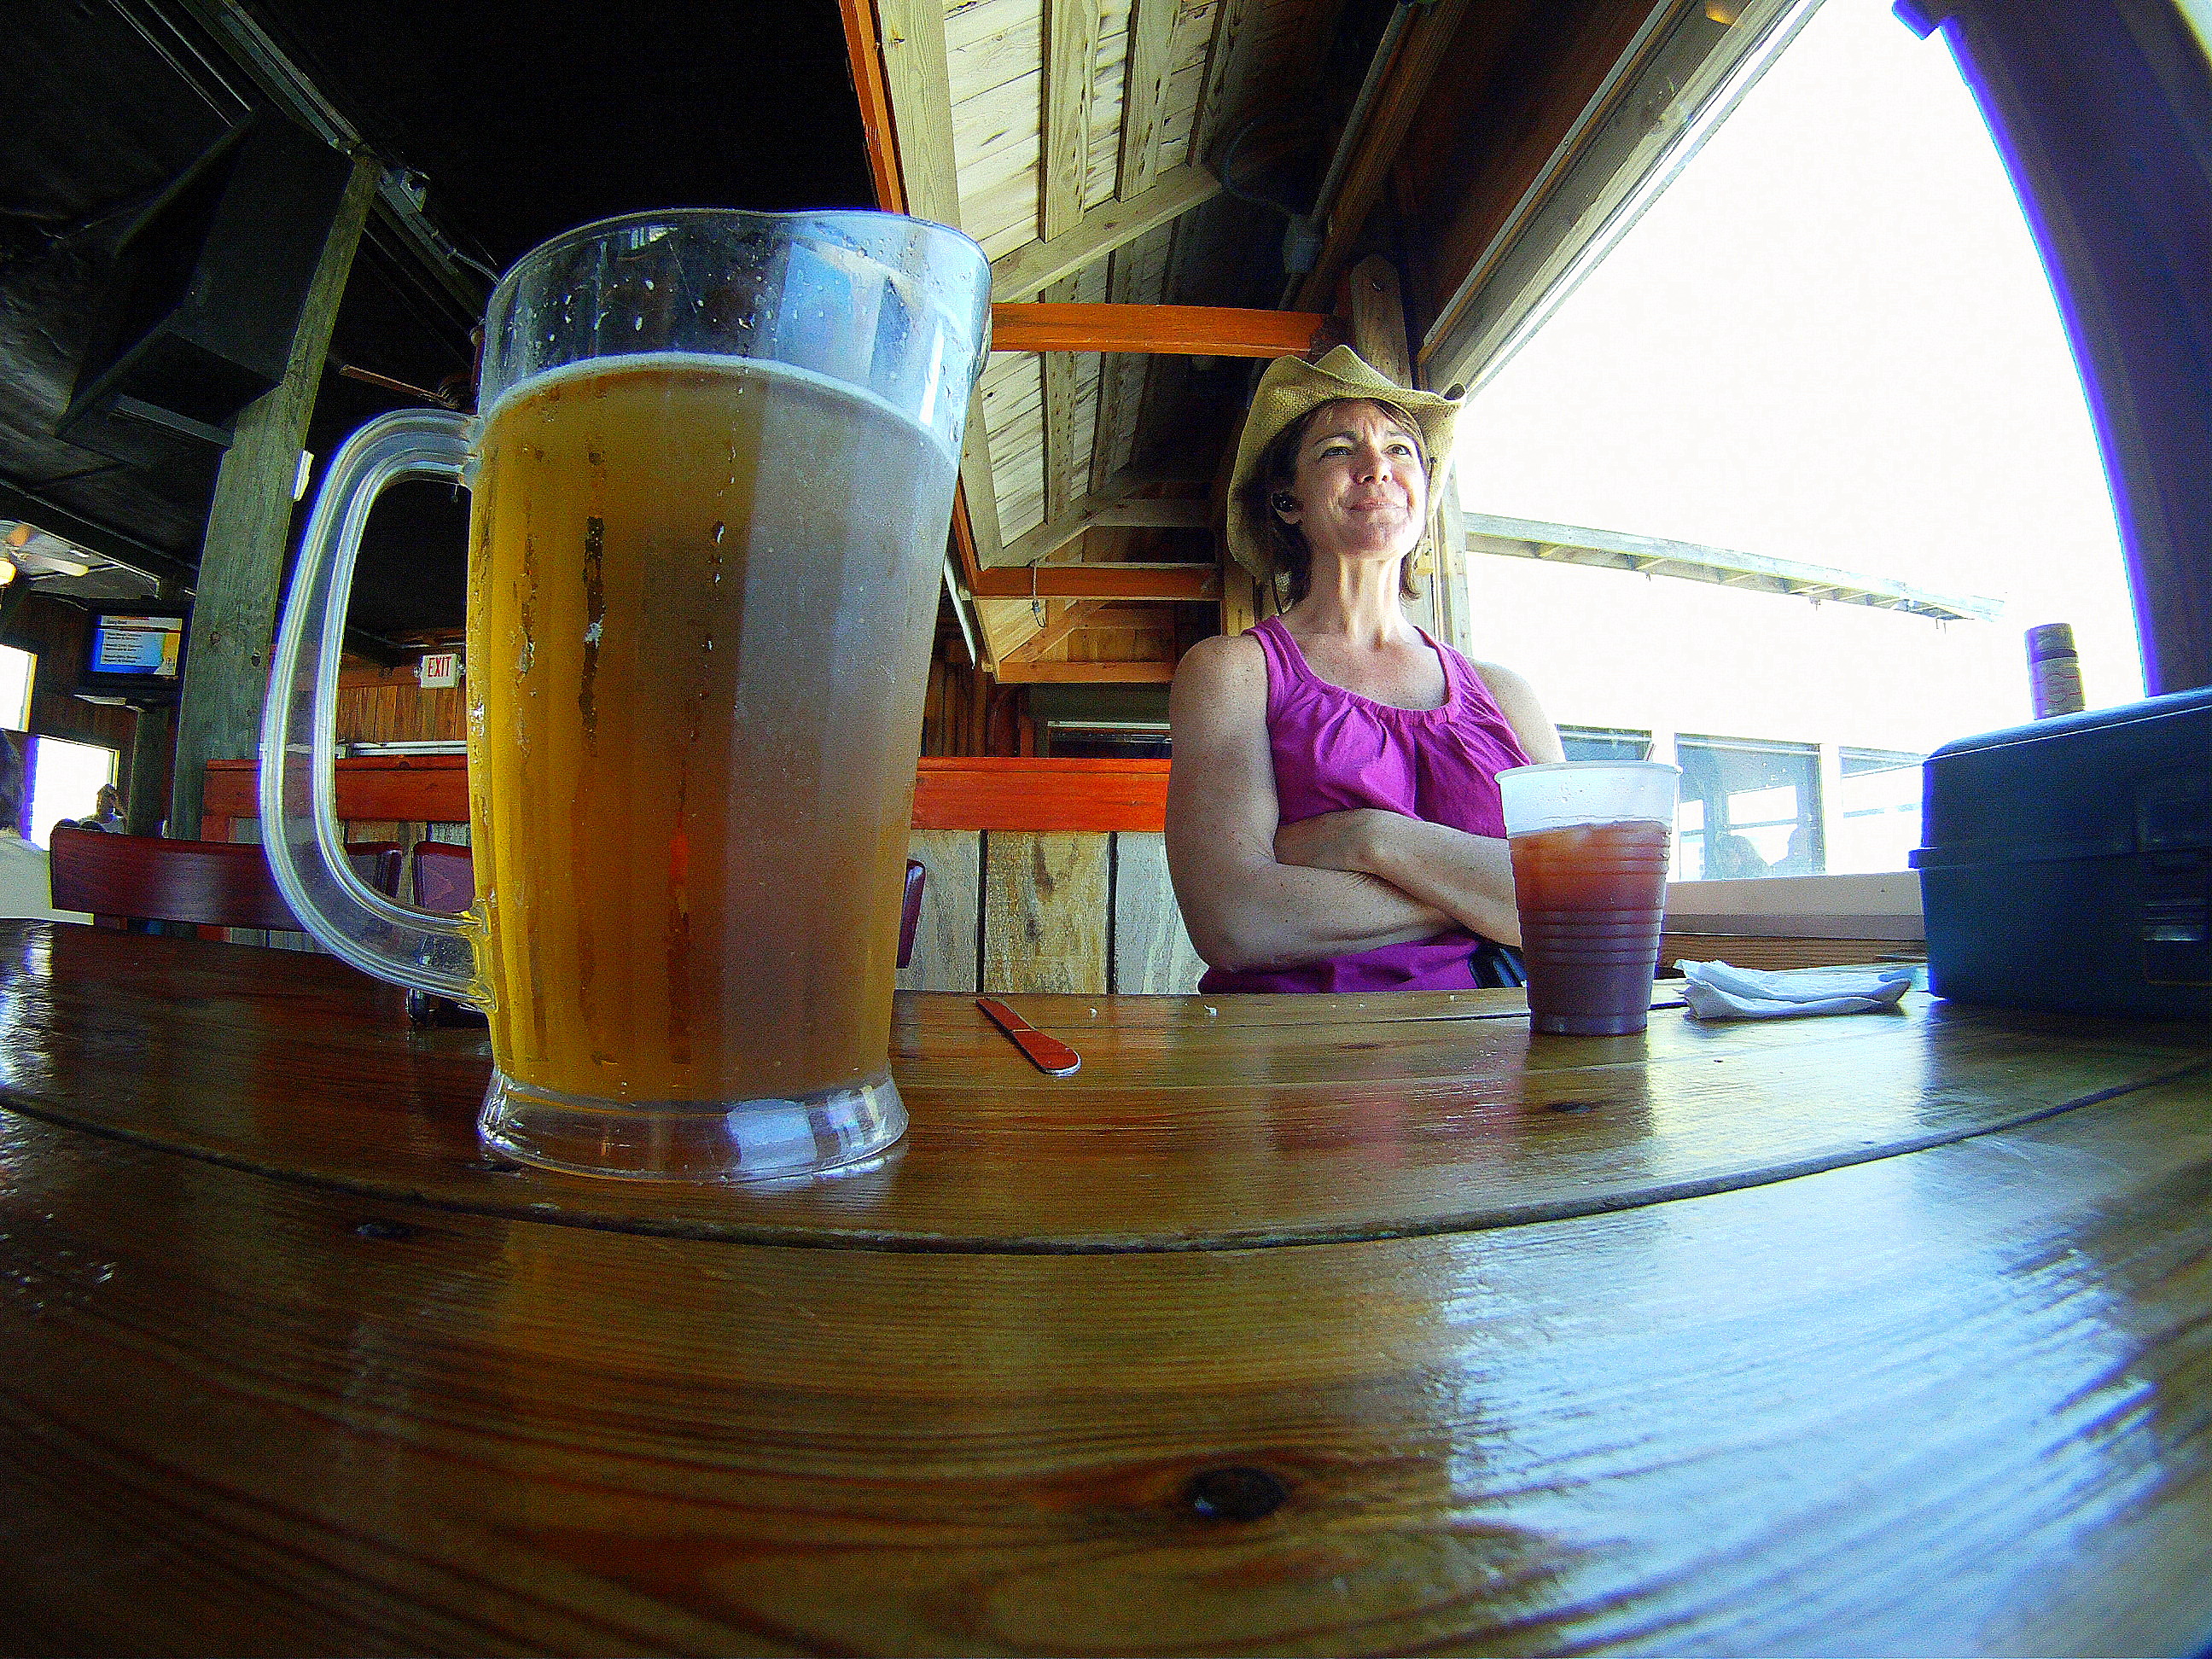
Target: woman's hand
x=1335, y=841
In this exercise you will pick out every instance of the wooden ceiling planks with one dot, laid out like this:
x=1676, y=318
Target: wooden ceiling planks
x=1071, y=139
x=1073, y=201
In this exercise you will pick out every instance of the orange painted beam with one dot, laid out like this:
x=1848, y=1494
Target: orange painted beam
x=877, y=128
x=1029, y=793
x=1150, y=672
x=1189, y=583
x=950, y=792
x=1165, y=331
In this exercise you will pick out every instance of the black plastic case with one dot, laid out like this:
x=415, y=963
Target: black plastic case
x=2067, y=864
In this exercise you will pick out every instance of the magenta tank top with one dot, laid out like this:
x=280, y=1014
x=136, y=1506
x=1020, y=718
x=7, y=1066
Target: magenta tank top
x=1335, y=750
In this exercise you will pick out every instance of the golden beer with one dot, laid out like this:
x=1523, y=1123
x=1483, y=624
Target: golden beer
x=701, y=596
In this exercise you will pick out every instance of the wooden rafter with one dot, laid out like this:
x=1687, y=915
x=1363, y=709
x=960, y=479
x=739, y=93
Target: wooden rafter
x=1420, y=53
x=877, y=128
x=1152, y=36
x=1031, y=268
x=911, y=36
x=1080, y=613
x=1172, y=331
x=1070, y=66
x=1108, y=510
x=1060, y=394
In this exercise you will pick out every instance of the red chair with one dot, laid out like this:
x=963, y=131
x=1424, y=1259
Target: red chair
x=213, y=884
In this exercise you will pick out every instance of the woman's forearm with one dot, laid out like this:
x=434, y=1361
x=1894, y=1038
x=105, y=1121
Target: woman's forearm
x=1467, y=878
x=1288, y=915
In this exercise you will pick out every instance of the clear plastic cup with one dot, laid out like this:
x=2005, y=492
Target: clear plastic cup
x=1589, y=843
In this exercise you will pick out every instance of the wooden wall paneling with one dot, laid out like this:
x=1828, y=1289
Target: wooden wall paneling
x=947, y=945
x=1045, y=911
x=988, y=43
x=1144, y=98
x=1152, y=951
x=1071, y=45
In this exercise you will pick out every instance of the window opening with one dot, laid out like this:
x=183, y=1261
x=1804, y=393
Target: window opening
x=1599, y=743
x=18, y=670
x=1747, y=809
x=1801, y=459
x=66, y=778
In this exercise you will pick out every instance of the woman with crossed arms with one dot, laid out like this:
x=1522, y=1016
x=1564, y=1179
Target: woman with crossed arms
x=1333, y=821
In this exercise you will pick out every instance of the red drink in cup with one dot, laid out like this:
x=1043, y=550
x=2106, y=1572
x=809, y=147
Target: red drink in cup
x=1589, y=877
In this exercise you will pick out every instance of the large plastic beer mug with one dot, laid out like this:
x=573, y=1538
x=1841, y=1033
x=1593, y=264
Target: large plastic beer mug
x=1589, y=845
x=712, y=472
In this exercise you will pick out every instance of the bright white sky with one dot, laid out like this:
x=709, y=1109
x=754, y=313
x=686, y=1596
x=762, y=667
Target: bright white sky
x=1830, y=340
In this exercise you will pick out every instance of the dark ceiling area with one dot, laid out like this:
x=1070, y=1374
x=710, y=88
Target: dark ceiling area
x=515, y=123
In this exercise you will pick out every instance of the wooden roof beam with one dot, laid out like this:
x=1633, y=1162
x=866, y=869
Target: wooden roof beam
x=1171, y=330
x=1185, y=584
x=1078, y=614
x=1152, y=37
x=1421, y=50
x=1070, y=65
x=1029, y=269
x=1109, y=509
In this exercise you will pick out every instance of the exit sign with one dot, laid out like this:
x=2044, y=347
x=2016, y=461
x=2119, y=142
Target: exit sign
x=443, y=668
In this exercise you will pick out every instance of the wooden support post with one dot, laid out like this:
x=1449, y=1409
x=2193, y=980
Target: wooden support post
x=149, y=748
x=242, y=558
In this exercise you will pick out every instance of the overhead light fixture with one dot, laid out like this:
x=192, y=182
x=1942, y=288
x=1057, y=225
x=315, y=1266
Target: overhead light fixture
x=35, y=553
x=6, y=572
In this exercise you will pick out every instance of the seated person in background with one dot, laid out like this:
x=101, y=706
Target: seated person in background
x=1334, y=822
x=107, y=812
x=26, y=889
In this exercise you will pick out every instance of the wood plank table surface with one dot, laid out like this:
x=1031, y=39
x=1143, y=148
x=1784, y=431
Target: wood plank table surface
x=1329, y=1325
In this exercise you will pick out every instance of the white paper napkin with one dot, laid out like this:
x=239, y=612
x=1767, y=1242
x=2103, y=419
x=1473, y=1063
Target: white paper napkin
x=1717, y=991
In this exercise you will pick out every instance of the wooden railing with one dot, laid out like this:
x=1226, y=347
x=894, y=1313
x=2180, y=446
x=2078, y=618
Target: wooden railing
x=1044, y=875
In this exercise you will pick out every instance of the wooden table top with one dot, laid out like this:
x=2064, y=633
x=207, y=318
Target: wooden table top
x=1292, y=1325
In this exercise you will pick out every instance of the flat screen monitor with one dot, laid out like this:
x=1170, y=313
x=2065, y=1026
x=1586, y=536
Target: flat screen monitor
x=137, y=655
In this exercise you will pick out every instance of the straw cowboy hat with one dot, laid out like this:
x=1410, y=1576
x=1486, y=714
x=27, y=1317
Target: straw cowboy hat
x=1290, y=388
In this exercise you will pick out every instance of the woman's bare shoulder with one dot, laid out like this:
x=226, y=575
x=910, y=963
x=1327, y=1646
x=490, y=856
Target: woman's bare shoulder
x=1226, y=662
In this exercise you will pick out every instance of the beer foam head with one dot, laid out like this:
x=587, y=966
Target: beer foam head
x=756, y=377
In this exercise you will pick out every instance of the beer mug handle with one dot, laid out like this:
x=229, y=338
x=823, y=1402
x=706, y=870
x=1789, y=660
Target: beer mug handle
x=301, y=834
